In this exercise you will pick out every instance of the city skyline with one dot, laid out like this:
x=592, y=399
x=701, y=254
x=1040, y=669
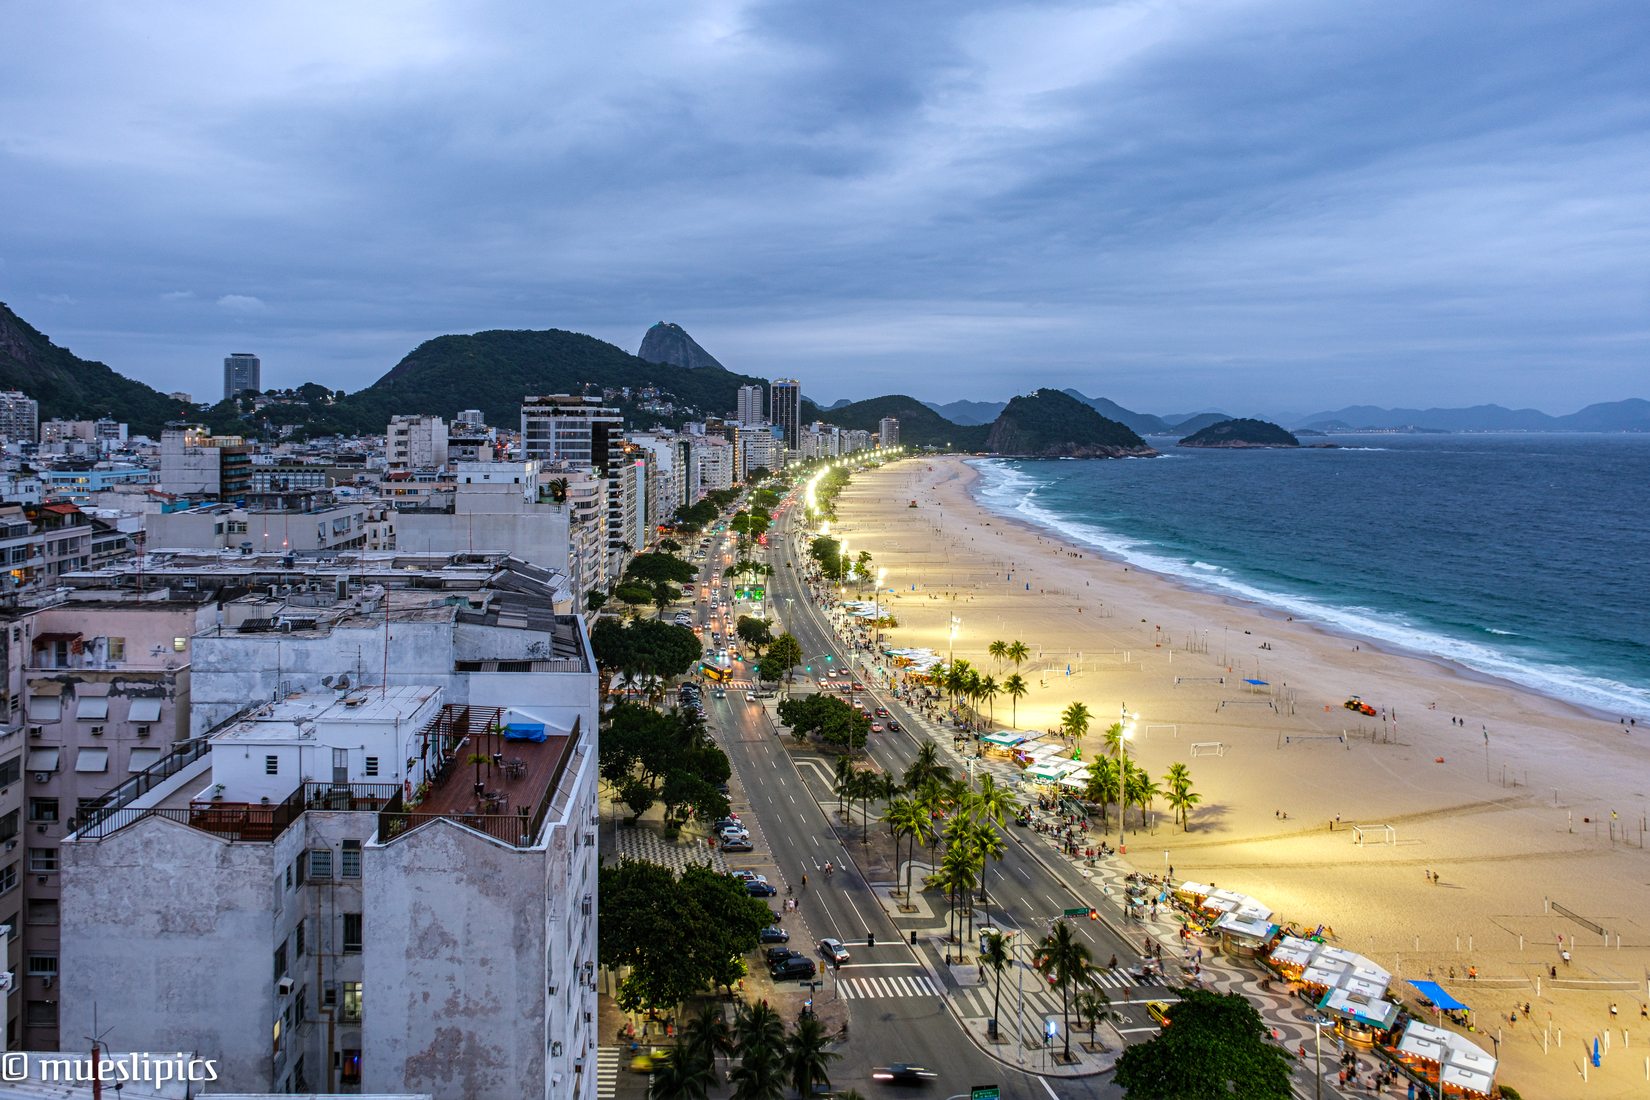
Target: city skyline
x=1168, y=205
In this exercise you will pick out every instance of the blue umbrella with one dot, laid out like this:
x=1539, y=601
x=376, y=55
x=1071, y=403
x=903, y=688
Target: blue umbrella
x=1595, y=1052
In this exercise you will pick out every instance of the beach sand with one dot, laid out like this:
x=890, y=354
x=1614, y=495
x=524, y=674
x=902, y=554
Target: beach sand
x=1507, y=821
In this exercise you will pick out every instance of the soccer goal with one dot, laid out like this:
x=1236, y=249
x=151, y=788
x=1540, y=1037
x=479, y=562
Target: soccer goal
x=1174, y=729
x=1379, y=834
x=1208, y=748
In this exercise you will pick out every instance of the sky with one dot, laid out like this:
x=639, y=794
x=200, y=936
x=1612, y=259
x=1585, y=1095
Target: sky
x=1178, y=204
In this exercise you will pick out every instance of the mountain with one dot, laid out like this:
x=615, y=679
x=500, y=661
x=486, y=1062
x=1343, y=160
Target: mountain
x=919, y=425
x=670, y=344
x=969, y=412
x=1631, y=415
x=1242, y=432
x=1052, y=424
x=72, y=388
x=1194, y=423
x=494, y=370
x=1143, y=423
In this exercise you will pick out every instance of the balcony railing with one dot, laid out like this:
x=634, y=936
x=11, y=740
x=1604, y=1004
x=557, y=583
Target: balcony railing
x=247, y=821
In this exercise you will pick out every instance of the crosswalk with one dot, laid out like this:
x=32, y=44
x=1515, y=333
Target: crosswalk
x=1041, y=1000
x=908, y=985
x=607, y=1073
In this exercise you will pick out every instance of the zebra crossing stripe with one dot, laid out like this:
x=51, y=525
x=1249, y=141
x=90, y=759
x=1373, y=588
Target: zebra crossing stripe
x=904, y=986
x=607, y=1073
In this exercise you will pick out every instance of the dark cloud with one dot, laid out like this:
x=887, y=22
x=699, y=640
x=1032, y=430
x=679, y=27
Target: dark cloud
x=1174, y=204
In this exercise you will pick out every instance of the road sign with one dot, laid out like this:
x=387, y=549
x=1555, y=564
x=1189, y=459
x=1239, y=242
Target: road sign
x=985, y=1092
x=1082, y=911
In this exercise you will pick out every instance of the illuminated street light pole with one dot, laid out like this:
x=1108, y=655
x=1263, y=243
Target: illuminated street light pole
x=1122, y=782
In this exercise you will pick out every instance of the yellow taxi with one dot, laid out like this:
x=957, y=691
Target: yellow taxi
x=1159, y=1012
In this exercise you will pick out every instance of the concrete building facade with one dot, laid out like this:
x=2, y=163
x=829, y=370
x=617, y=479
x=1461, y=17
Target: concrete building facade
x=786, y=411
x=19, y=417
x=415, y=442
x=576, y=432
x=198, y=465
x=750, y=405
x=242, y=372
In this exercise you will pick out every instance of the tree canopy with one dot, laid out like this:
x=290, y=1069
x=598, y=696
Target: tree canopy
x=644, y=647
x=651, y=756
x=827, y=718
x=1217, y=1047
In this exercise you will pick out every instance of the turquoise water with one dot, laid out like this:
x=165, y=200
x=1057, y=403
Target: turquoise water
x=1523, y=556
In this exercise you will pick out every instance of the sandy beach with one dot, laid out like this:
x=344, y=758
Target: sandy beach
x=1513, y=799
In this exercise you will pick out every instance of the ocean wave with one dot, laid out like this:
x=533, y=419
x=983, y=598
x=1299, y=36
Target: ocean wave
x=1207, y=568
x=1003, y=489
x=1504, y=633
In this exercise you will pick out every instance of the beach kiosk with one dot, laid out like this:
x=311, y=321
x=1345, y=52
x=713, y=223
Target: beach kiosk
x=1359, y=1018
x=1002, y=742
x=1245, y=936
x=1291, y=957
x=1450, y=1061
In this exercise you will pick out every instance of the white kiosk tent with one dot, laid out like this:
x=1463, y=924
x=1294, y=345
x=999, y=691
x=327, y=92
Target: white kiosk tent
x=1458, y=1066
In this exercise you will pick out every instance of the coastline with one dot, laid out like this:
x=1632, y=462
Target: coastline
x=1330, y=630
x=1511, y=797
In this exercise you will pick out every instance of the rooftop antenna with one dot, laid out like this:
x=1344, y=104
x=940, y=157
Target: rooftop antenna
x=96, y=1039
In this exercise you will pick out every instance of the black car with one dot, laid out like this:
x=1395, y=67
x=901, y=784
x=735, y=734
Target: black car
x=760, y=889
x=777, y=955
x=901, y=1073
x=738, y=845
x=794, y=968
x=774, y=934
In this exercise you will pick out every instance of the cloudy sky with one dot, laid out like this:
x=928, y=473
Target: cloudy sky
x=1179, y=204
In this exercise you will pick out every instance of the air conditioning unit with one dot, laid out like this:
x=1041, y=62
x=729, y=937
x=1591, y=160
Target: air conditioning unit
x=284, y=986
x=143, y=731
x=42, y=777
x=36, y=731
x=97, y=731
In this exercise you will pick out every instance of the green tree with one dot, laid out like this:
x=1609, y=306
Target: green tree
x=754, y=632
x=827, y=554
x=1018, y=653
x=1101, y=786
x=759, y=1035
x=1074, y=721
x=995, y=958
x=1093, y=1008
x=808, y=1056
x=1177, y=791
x=652, y=649
x=708, y=1036
x=925, y=766
x=1139, y=789
x=1065, y=961
x=1218, y=1047
x=829, y=719
x=685, y=1075
x=989, y=690
x=998, y=650
x=1016, y=689
x=784, y=654
x=906, y=820
x=987, y=842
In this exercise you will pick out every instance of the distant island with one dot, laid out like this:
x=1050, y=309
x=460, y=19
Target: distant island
x=1241, y=432
x=1051, y=424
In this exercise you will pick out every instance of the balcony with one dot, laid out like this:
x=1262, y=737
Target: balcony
x=247, y=821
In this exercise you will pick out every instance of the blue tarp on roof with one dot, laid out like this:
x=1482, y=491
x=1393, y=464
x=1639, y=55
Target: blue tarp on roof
x=524, y=731
x=1436, y=993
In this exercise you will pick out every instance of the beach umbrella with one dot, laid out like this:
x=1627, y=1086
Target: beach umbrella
x=1595, y=1052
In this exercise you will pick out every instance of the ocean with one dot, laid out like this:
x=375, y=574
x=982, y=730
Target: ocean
x=1526, y=557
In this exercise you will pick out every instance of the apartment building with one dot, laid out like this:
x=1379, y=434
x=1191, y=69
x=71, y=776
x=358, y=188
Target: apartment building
x=415, y=442
x=576, y=432
x=198, y=465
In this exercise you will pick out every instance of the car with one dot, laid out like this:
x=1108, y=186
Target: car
x=833, y=951
x=724, y=822
x=648, y=1061
x=720, y=693
x=1159, y=1012
x=903, y=1073
x=733, y=834
x=773, y=934
x=777, y=955
x=858, y=686
x=845, y=688
x=760, y=890
x=893, y=725
x=876, y=727
x=747, y=876
x=882, y=712
x=738, y=844
x=792, y=969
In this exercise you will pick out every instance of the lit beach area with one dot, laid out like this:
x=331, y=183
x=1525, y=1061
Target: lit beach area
x=1499, y=828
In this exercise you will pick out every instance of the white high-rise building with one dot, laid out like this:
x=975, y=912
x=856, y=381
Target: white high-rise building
x=750, y=405
x=415, y=442
x=573, y=431
x=19, y=417
x=888, y=432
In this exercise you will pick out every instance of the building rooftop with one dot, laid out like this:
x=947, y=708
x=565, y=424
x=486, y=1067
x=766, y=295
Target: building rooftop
x=297, y=716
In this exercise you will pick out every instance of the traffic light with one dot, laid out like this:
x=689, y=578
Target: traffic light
x=1094, y=914
x=829, y=658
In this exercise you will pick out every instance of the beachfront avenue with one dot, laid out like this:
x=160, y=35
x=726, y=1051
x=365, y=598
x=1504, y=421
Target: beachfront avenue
x=909, y=994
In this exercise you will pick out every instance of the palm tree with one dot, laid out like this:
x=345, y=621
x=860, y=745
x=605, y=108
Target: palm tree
x=1016, y=688
x=1102, y=786
x=1067, y=964
x=687, y=1075
x=1074, y=721
x=847, y=786
x=806, y=1056
x=1114, y=739
x=558, y=489
x=998, y=650
x=959, y=871
x=757, y=1027
x=1017, y=652
x=708, y=1036
x=932, y=800
x=1177, y=785
x=987, y=841
x=871, y=785
x=1093, y=1006
x=1139, y=789
x=926, y=765
x=956, y=679
x=760, y=1075
x=989, y=690
x=903, y=820
x=995, y=958
x=993, y=801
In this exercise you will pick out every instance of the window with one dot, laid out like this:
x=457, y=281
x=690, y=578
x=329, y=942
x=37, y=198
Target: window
x=372, y=765
x=272, y=765
x=9, y=824
x=349, y=1067
x=300, y=1004
x=329, y=994
x=92, y=760
x=320, y=863
x=117, y=649
x=280, y=962
x=42, y=966
x=42, y=760
x=40, y=1014
x=179, y=644
x=42, y=809
x=351, y=1011
x=11, y=771
x=350, y=860
x=298, y=940
x=352, y=933
x=8, y=876
x=277, y=1036
x=42, y=911
x=94, y=709
x=42, y=860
